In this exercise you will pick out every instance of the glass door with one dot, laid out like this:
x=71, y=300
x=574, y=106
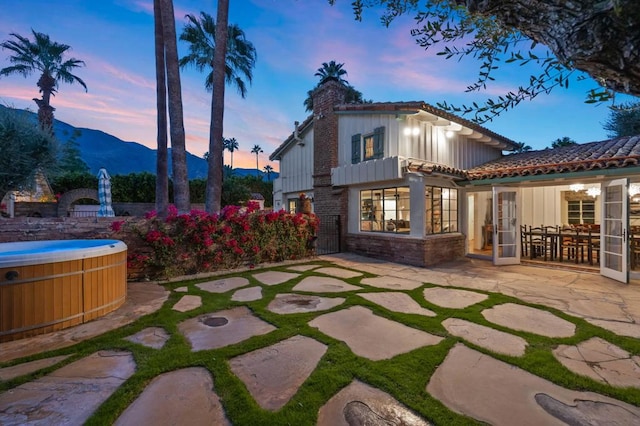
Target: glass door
x=614, y=250
x=506, y=241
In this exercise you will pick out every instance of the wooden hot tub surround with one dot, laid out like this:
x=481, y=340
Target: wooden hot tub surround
x=60, y=286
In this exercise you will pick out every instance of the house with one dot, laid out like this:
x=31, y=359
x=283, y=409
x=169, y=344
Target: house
x=414, y=184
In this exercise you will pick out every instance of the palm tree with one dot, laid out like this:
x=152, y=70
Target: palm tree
x=240, y=57
x=231, y=145
x=521, y=147
x=46, y=57
x=257, y=150
x=228, y=62
x=176, y=116
x=564, y=141
x=332, y=71
x=162, y=161
x=268, y=169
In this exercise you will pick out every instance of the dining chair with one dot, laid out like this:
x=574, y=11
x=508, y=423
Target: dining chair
x=524, y=241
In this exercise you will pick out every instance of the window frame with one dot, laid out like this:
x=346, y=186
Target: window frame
x=441, y=217
x=376, y=217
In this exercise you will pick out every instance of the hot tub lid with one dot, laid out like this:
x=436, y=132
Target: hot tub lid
x=24, y=253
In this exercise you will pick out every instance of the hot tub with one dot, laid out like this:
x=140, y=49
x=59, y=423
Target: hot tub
x=51, y=285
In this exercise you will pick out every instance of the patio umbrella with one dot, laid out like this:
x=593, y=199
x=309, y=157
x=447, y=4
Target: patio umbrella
x=104, y=194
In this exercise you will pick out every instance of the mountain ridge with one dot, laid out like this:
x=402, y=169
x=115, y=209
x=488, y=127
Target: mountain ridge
x=101, y=149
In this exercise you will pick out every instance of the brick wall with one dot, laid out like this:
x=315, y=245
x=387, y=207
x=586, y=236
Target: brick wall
x=327, y=199
x=429, y=251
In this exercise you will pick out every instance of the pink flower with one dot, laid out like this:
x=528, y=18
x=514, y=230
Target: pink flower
x=117, y=225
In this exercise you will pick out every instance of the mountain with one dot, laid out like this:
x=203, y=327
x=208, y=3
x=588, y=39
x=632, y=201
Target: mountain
x=99, y=149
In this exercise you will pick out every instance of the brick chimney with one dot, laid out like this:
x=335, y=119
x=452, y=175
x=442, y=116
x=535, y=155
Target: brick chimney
x=327, y=200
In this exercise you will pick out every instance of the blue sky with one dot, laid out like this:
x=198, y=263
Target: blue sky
x=292, y=39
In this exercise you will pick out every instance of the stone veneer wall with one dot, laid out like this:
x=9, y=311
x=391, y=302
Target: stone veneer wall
x=56, y=228
x=429, y=251
x=328, y=200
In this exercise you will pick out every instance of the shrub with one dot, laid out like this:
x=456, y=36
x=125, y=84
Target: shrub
x=201, y=242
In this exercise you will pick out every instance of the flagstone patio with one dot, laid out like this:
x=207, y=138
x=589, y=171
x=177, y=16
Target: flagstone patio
x=280, y=360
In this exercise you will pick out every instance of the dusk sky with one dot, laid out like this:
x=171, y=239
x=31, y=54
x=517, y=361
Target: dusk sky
x=292, y=39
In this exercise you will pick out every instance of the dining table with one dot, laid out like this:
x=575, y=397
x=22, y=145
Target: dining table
x=562, y=244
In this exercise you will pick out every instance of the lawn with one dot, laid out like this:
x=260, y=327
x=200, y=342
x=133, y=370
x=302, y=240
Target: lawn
x=404, y=376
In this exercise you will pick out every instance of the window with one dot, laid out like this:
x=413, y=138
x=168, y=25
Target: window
x=367, y=147
x=581, y=211
x=441, y=210
x=385, y=210
x=292, y=205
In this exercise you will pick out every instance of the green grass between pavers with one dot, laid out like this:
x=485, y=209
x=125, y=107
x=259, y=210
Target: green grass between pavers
x=404, y=377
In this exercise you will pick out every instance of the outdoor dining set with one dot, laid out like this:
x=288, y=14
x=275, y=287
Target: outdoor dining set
x=577, y=244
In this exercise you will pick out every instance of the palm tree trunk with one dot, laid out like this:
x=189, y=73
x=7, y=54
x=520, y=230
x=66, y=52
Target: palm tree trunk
x=162, y=168
x=213, y=199
x=46, y=83
x=176, y=121
x=231, y=159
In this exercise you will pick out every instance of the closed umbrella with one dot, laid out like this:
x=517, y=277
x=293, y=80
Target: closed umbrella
x=104, y=194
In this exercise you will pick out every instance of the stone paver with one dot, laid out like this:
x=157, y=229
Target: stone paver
x=179, y=397
x=187, y=302
x=288, y=303
x=226, y=328
x=582, y=294
x=532, y=320
x=68, y=395
x=602, y=361
x=18, y=370
x=182, y=289
x=142, y=298
x=152, y=337
x=492, y=391
x=371, y=336
x=391, y=283
x=274, y=277
x=275, y=373
x=619, y=328
x=303, y=268
x=223, y=285
x=486, y=337
x=397, y=302
x=247, y=294
x=324, y=285
x=451, y=298
x=361, y=404
x=338, y=272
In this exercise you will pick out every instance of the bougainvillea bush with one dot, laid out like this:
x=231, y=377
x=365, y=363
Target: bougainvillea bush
x=201, y=242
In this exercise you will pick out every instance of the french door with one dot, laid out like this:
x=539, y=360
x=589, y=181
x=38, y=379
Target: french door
x=506, y=241
x=614, y=233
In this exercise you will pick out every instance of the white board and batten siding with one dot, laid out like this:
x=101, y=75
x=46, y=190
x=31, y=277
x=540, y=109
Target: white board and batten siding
x=410, y=137
x=546, y=205
x=296, y=166
x=383, y=169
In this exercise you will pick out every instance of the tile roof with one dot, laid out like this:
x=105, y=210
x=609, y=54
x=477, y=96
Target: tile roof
x=612, y=153
x=434, y=168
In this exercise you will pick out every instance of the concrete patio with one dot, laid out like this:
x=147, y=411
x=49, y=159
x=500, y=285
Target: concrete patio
x=469, y=381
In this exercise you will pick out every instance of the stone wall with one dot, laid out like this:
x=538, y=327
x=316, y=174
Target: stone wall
x=36, y=209
x=429, y=251
x=56, y=228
